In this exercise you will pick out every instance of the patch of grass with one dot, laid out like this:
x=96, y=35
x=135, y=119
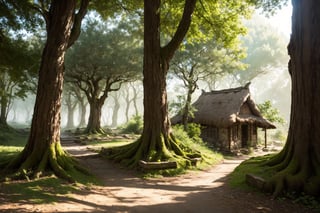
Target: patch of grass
x=12, y=137
x=7, y=153
x=252, y=166
x=12, y=142
x=41, y=191
x=97, y=145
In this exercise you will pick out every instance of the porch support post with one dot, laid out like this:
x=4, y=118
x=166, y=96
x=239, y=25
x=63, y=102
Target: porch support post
x=229, y=138
x=265, y=138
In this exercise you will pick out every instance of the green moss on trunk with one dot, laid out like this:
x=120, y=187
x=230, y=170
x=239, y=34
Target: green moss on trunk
x=162, y=150
x=54, y=160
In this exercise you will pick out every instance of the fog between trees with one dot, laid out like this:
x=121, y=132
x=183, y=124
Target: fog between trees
x=269, y=80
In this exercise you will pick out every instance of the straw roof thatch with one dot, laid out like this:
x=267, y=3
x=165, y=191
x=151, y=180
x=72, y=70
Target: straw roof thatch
x=222, y=109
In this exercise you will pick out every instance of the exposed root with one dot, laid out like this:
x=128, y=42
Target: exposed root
x=295, y=176
x=161, y=149
x=54, y=159
x=94, y=131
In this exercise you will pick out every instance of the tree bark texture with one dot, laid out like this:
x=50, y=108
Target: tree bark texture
x=71, y=106
x=82, y=112
x=298, y=164
x=187, y=107
x=115, y=112
x=43, y=150
x=157, y=142
x=3, y=110
x=94, y=121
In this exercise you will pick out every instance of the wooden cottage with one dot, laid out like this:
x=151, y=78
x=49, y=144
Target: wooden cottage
x=229, y=118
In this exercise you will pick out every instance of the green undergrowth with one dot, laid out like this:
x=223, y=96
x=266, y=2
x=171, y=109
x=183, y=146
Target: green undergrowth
x=208, y=159
x=45, y=190
x=12, y=137
x=12, y=142
x=255, y=166
x=111, y=143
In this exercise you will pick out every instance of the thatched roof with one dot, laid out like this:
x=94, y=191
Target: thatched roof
x=222, y=109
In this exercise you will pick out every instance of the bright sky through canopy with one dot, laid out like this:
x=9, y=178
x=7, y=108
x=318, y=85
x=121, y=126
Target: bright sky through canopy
x=282, y=20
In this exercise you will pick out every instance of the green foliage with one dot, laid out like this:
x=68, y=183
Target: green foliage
x=265, y=49
x=270, y=113
x=280, y=135
x=192, y=134
x=176, y=106
x=269, y=7
x=219, y=19
x=116, y=57
x=134, y=126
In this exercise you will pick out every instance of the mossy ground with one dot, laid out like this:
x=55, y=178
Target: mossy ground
x=257, y=166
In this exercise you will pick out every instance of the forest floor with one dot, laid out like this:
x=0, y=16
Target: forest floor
x=124, y=191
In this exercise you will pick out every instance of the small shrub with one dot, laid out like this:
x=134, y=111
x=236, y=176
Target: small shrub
x=180, y=134
x=279, y=135
x=134, y=126
x=193, y=132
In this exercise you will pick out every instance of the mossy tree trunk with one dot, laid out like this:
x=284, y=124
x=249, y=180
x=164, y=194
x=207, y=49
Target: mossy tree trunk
x=157, y=142
x=43, y=151
x=298, y=164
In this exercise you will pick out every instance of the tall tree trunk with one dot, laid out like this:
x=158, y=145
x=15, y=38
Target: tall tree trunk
x=70, y=111
x=70, y=119
x=134, y=100
x=157, y=142
x=43, y=150
x=94, y=122
x=298, y=164
x=82, y=113
x=156, y=122
x=128, y=102
x=186, y=110
x=3, y=111
x=115, y=112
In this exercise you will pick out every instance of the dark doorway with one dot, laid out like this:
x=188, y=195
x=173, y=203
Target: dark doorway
x=244, y=135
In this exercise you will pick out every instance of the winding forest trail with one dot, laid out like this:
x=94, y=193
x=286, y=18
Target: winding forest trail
x=124, y=191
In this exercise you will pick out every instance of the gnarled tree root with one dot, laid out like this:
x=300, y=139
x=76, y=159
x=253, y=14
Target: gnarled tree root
x=35, y=165
x=160, y=149
x=292, y=175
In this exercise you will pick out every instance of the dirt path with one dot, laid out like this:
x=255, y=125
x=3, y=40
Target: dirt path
x=196, y=191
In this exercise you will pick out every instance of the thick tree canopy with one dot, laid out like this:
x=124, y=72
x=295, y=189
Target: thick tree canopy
x=116, y=59
x=220, y=20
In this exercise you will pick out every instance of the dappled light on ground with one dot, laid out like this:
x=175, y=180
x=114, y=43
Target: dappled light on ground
x=125, y=191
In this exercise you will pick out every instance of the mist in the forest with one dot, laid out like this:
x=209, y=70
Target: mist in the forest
x=272, y=82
